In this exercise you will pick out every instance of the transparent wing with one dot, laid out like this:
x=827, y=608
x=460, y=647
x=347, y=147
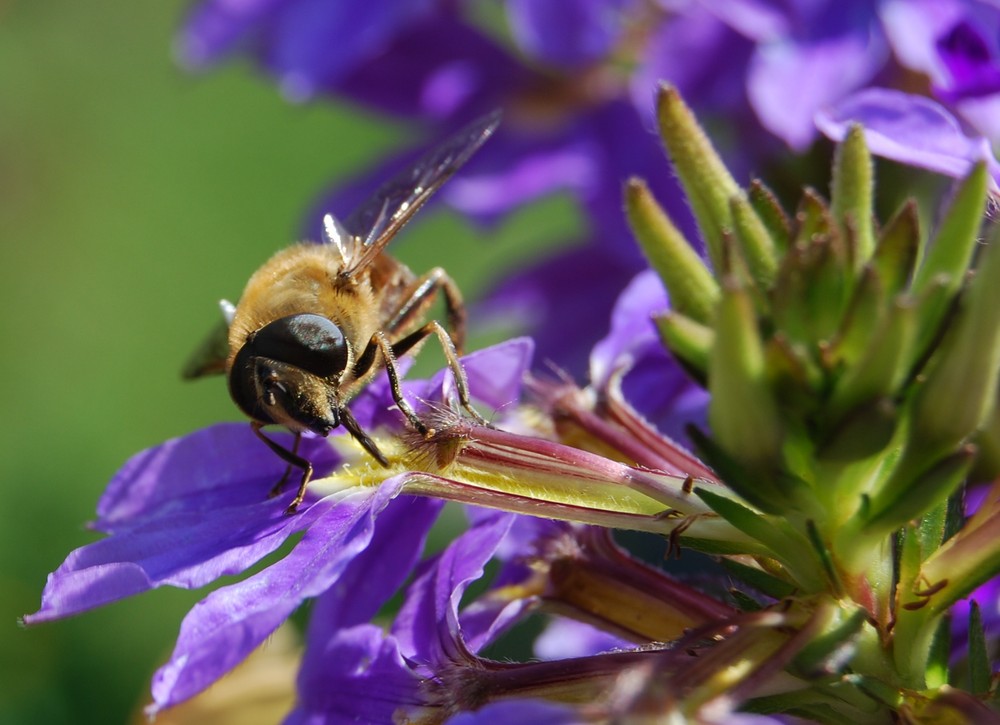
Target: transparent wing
x=376, y=221
x=210, y=357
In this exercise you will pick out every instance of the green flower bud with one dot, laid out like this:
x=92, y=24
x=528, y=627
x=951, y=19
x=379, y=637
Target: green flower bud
x=707, y=182
x=692, y=288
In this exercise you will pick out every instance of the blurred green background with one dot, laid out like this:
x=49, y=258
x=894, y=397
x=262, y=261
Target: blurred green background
x=132, y=197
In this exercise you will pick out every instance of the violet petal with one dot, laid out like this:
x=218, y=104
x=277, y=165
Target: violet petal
x=427, y=626
x=568, y=34
x=344, y=656
x=314, y=43
x=789, y=82
x=910, y=129
x=222, y=629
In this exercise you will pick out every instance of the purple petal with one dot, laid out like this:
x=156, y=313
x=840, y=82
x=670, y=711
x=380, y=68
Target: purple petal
x=313, y=44
x=654, y=383
x=913, y=27
x=207, y=490
x=987, y=596
x=215, y=27
x=427, y=625
x=379, y=570
x=486, y=618
x=521, y=165
x=565, y=302
x=982, y=114
x=362, y=678
x=632, y=333
x=700, y=54
x=759, y=20
x=350, y=669
x=909, y=129
x=570, y=33
x=435, y=68
x=523, y=712
x=222, y=629
x=565, y=638
x=509, y=171
x=215, y=543
x=217, y=467
x=789, y=82
x=970, y=62
x=623, y=146
x=495, y=374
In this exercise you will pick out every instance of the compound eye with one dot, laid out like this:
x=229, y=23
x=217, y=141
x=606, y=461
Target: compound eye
x=309, y=342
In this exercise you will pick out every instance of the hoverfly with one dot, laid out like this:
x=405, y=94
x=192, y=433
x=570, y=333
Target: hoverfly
x=317, y=322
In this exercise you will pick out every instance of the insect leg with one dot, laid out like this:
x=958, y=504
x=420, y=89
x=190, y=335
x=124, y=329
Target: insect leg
x=349, y=422
x=288, y=468
x=421, y=294
x=451, y=355
x=380, y=343
x=292, y=458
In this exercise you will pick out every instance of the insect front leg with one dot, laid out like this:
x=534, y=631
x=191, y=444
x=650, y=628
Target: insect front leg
x=293, y=459
x=379, y=343
x=421, y=294
x=451, y=355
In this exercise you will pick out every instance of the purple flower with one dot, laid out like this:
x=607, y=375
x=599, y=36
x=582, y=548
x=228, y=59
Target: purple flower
x=910, y=129
x=398, y=672
x=196, y=508
x=632, y=355
x=577, y=93
x=987, y=595
x=955, y=43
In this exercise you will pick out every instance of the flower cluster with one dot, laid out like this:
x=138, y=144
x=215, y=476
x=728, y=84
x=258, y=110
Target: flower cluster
x=576, y=81
x=847, y=373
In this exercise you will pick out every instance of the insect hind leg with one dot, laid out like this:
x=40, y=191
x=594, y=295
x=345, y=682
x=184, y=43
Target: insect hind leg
x=421, y=294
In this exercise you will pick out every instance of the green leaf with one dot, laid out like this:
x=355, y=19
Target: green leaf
x=758, y=490
x=813, y=218
x=960, y=388
x=864, y=311
x=742, y=412
x=830, y=652
x=939, y=657
x=765, y=203
x=851, y=193
x=813, y=283
x=787, y=545
x=910, y=493
x=692, y=288
x=822, y=550
x=689, y=341
x=896, y=254
x=744, y=602
x=755, y=243
x=862, y=433
x=979, y=659
x=707, y=183
x=882, y=368
x=759, y=579
x=794, y=377
x=956, y=237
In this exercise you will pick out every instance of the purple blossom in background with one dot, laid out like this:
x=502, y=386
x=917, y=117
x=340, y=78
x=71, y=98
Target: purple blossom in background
x=956, y=45
x=577, y=90
x=651, y=379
